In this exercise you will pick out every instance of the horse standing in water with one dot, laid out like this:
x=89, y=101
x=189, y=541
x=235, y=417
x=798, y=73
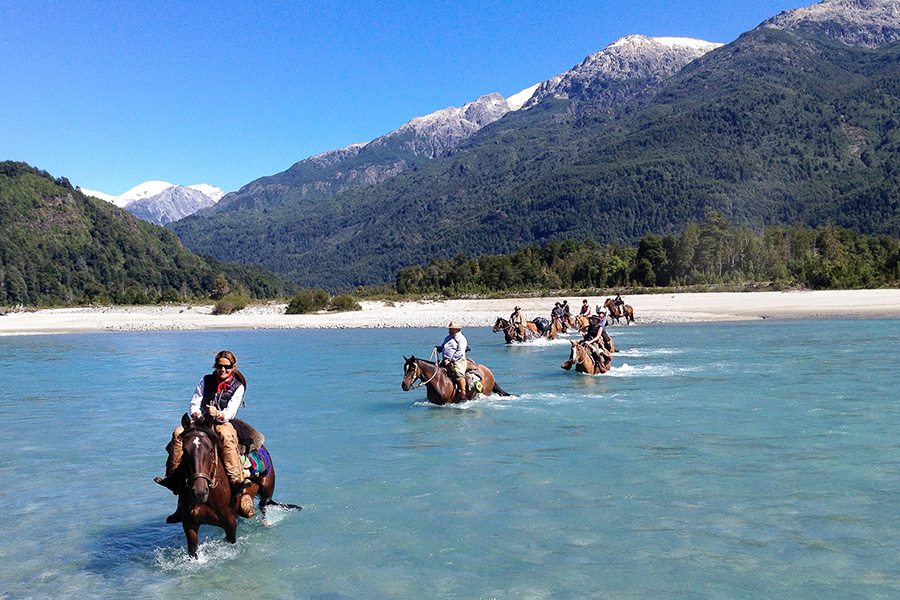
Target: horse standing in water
x=439, y=386
x=581, y=323
x=614, y=311
x=205, y=496
x=584, y=361
x=509, y=330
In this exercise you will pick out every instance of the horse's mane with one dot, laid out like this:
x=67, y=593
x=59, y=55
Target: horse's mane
x=202, y=427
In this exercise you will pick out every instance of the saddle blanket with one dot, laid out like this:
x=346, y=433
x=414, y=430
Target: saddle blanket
x=257, y=462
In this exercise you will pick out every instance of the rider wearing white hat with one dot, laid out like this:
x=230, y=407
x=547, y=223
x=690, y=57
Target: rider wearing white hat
x=453, y=352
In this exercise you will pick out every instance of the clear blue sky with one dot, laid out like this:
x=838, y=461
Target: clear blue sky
x=110, y=94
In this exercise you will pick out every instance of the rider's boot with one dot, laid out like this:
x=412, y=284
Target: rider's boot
x=172, y=480
x=246, y=506
x=175, y=517
x=566, y=365
x=461, y=389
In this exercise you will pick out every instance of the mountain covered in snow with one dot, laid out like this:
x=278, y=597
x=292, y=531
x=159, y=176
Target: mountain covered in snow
x=636, y=59
x=864, y=23
x=161, y=202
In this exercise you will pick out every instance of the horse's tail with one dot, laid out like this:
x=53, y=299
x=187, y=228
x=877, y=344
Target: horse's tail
x=499, y=390
x=284, y=505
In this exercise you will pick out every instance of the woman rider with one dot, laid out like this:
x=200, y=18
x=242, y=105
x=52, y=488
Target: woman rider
x=217, y=398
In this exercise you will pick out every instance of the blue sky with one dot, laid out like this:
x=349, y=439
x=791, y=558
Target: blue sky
x=110, y=94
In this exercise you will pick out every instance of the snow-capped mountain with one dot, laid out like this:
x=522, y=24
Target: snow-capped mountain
x=866, y=23
x=631, y=58
x=148, y=189
x=161, y=202
x=173, y=203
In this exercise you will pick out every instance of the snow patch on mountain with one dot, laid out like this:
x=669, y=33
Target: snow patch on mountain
x=866, y=23
x=518, y=100
x=161, y=202
x=633, y=57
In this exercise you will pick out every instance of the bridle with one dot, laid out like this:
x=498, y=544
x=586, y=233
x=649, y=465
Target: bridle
x=418, y=376
x=210, y=479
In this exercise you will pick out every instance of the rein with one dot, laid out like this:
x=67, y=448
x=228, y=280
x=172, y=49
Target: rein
x=436, y=368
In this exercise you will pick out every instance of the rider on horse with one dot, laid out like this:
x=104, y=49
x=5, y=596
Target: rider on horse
x=217, y=399
x=453, y=353
x=593, y=340
x=518, y=322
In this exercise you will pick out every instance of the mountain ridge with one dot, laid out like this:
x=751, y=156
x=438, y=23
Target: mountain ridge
x=779, y=126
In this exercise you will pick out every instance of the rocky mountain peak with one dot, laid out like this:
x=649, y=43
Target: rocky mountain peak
x=633, y=57
x=865, y=23
x=434, y=134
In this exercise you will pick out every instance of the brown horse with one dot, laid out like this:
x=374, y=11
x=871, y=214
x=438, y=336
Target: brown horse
x=205, y=496
x=614, y=311
x=556, y=327
x=439, y=386
x=581, y=323
x=512, y=335
x=584, y=361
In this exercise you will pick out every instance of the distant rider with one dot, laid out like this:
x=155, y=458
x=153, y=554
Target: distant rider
x=585, y=309
x=518, y=322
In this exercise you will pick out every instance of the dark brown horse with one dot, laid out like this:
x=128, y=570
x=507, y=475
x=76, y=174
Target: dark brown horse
x=616, y=313
x=584, y=361
x=512, y=335
x=205, y=496
x=439, y=386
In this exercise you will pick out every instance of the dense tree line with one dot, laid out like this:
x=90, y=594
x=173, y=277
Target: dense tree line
x=59, y=247
x=713, y=252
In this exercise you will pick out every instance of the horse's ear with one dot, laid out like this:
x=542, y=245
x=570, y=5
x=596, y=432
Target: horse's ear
x=185, y=421
x=405, y=359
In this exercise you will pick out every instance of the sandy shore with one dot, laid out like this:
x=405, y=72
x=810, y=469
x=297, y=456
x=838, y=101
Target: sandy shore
x=650, y=308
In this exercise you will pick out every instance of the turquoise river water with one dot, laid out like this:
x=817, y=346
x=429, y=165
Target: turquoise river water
x=748, y=460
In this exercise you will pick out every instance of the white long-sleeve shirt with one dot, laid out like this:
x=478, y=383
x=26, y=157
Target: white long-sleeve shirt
x=230, y=410
x=454, y=347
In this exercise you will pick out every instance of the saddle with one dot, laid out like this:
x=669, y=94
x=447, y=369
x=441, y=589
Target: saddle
x=473, y=375
x=249, y=439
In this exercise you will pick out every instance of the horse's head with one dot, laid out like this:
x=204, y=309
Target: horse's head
x=200, y=459
x=411, y=372
x=609, y=303
x=500, y=324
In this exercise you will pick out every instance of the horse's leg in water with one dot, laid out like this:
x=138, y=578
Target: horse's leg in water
x=190, y=532
x=230, y=527
x=266, y=490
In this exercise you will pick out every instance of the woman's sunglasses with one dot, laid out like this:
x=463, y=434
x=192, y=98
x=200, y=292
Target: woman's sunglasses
x=226, y=367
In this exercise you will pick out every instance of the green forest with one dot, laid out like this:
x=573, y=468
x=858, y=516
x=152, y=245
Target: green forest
x=713, y=253
x=59, y=247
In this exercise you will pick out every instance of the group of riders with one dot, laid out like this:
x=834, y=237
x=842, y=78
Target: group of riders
x=591, y=323
x=218, y=395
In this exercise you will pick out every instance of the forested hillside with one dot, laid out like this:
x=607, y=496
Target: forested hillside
x=776, y=128
x=713, y=252
x=60, y=247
